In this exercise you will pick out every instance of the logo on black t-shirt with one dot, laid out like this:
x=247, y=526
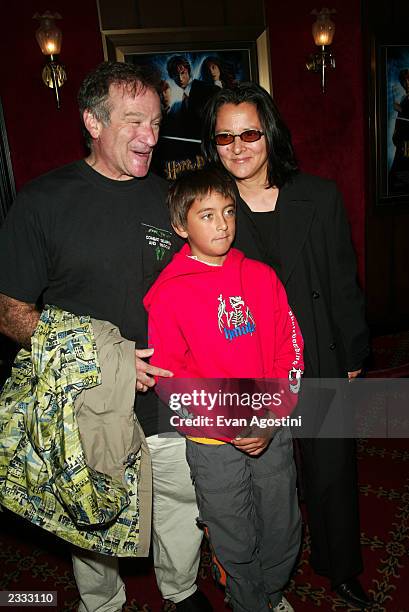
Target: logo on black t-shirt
x=159, y=239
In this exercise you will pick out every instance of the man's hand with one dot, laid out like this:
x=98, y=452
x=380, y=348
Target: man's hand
x=354, y=374
x=145, y=372
x=254, y=440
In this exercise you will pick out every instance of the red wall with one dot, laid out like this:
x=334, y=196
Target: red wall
x=328, y=129
x=40, y=136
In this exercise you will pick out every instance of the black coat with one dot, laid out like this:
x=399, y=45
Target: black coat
x=318, y=270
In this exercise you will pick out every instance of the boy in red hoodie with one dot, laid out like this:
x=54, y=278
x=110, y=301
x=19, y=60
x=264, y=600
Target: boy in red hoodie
x=214, y=314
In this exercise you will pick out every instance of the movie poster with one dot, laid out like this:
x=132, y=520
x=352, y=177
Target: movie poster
x=397, y=85
x=188, y=80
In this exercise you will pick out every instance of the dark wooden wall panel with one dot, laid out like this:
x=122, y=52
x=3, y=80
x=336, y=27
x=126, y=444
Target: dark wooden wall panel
x=160, y=13
x=118, y=15
x=132, y=14
x=247, y=12
x=201, y=12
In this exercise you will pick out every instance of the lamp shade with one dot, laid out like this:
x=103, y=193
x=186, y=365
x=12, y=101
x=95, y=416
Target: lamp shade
x=48, y=35
x=323, y=28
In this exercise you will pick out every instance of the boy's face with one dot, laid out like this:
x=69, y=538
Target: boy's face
x=183, y=76
x=210, y=227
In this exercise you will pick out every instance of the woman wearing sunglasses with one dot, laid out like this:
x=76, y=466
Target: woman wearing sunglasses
x=297, y=224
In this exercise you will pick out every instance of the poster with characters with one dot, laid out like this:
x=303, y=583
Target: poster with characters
x=188, y=80
x=397, y=86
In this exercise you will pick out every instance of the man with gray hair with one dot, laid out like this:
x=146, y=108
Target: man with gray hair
x=90, y=238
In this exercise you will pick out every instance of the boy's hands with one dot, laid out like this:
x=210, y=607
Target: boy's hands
x=254, y=440
x=145, y=372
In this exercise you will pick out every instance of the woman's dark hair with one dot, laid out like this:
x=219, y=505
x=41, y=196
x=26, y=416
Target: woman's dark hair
x=94, y=91
x=192, y=185
x=281, y=159
x=226, y=76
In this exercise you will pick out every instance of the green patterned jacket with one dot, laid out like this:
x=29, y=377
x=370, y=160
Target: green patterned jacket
x=43, y=474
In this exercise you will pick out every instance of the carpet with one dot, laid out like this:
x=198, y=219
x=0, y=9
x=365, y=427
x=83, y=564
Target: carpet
x=32, y=559
x=390, y=356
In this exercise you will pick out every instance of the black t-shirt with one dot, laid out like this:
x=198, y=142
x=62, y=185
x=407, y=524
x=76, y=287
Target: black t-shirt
x=265, y=245
x=90, y=245
x=267, y=224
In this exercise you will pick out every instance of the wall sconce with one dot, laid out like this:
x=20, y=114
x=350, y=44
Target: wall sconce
x=49, y=38
x=323, y=30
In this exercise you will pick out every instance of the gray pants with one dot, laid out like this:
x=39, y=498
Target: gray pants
x=176, y=537
x=250, y=507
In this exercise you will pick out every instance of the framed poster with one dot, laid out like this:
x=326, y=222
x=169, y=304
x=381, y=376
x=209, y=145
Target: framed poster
x=391, y=123
x=190, y=74
x=7, y=186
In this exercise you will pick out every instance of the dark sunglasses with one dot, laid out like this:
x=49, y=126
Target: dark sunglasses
x=225, y=138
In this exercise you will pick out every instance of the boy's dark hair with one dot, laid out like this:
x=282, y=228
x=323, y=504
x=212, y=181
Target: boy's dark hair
x=197, y=184
x=174, y=62
x=94, y=91
x=281, y=159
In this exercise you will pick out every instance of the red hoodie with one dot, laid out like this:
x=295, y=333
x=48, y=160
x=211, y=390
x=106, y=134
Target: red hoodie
x=229, y=321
